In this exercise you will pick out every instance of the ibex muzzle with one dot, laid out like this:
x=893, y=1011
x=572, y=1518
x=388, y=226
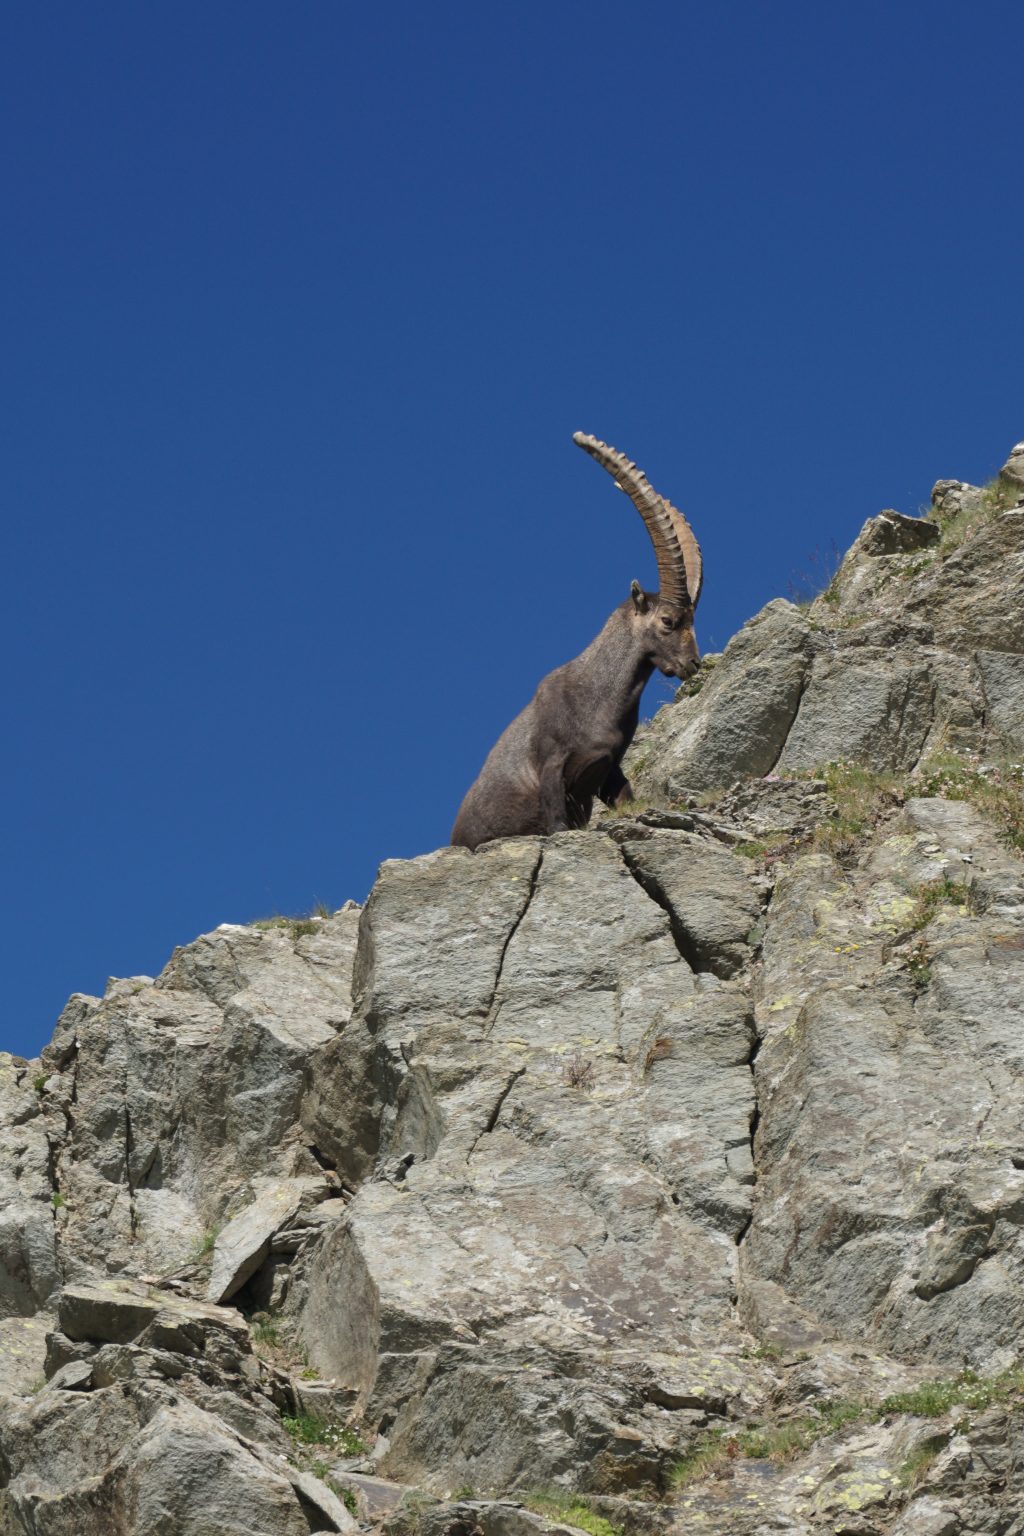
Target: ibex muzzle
x=544, y=770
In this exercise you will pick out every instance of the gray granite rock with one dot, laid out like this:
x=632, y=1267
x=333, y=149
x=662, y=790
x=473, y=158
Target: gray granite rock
x=29, y=1272
x=738, y=723
x=914, y=1092
x=244, y=1243
x=189, y=1091
x=871, y=707
x=915, y=645
x=1013, y=469
x=544, y=1212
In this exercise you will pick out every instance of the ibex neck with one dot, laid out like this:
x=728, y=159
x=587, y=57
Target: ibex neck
x=613, y=671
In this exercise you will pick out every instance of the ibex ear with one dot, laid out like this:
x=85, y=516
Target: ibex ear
x=639, y=597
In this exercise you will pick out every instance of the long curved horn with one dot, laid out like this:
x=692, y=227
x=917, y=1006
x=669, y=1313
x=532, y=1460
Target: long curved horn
x=680, y=567
x=692, y=557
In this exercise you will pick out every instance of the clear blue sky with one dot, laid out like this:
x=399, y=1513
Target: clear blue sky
x=301, y=306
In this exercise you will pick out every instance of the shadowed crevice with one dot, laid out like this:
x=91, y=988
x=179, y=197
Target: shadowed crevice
x=493, y=1005
x=652, y=887
x=496, y=1109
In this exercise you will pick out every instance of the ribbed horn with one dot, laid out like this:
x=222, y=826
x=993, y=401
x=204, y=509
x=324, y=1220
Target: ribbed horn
x=680, y=567
x=692, y=557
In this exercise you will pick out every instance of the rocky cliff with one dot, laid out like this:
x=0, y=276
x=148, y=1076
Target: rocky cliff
x=666, y=1176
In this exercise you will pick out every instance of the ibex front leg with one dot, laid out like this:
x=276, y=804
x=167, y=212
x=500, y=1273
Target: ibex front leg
x=554, y=812
x=616, y=789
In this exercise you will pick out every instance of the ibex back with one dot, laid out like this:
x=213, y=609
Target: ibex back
x=544, y=770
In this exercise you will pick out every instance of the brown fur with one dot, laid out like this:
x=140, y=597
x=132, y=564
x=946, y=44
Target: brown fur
x=565, y=747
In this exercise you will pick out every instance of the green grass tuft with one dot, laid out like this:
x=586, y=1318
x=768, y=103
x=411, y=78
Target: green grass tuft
x=919, y=964
x=266, y=1331
x=933, y=1398
x=932, y=895
x=995, y=789
x=706, y=1457
x=312, y=1429
x=836, y=1413
x=957, y=527
x=321, y=1470
x=298, y=927
x=766, y=1350
x=768, y=848
x=782, y=1442
x=858, y=796
x=915, y=1468
x=571, y=1509
x=204, y=1245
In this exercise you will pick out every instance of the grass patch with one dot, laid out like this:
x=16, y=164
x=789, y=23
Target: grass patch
x=298, y=927
x=918, y=563
x=629, y=808
x=858, y=796
x=766, y=1350
x=694, y=684
x=917, y=1465
x=933, y=1398
x=779, y=1443
x=919, y=964
x=311, y=1429
x=819, y=579
x=768, y=848
x=994, y=789
x=39, y=1083
x=703, y=1459
x=321, y=1470
x=204, y=1245
x=57, y=1200
x=782, y=1442
x=932, y=895
x=836, y=1413
x=571, y=1508
x=266, y=1331
x=957, y=527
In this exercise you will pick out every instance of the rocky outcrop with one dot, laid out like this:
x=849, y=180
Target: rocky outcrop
x=566, y=1139
x=667, y=1173
x=917, y=643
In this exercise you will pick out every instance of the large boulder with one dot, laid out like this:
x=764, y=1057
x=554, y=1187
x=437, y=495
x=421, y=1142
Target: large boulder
x=889, y=1149
x=181, y=1095
x=565, y=1163
x=739, y=721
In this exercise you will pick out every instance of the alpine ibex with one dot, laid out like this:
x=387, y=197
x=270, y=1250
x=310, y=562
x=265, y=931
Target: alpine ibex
x=544, y=770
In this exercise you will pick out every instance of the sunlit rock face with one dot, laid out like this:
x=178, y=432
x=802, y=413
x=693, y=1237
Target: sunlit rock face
x=916, y=644
x=676, y=1163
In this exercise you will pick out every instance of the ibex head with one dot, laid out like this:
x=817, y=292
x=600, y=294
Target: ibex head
x=663, y=620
